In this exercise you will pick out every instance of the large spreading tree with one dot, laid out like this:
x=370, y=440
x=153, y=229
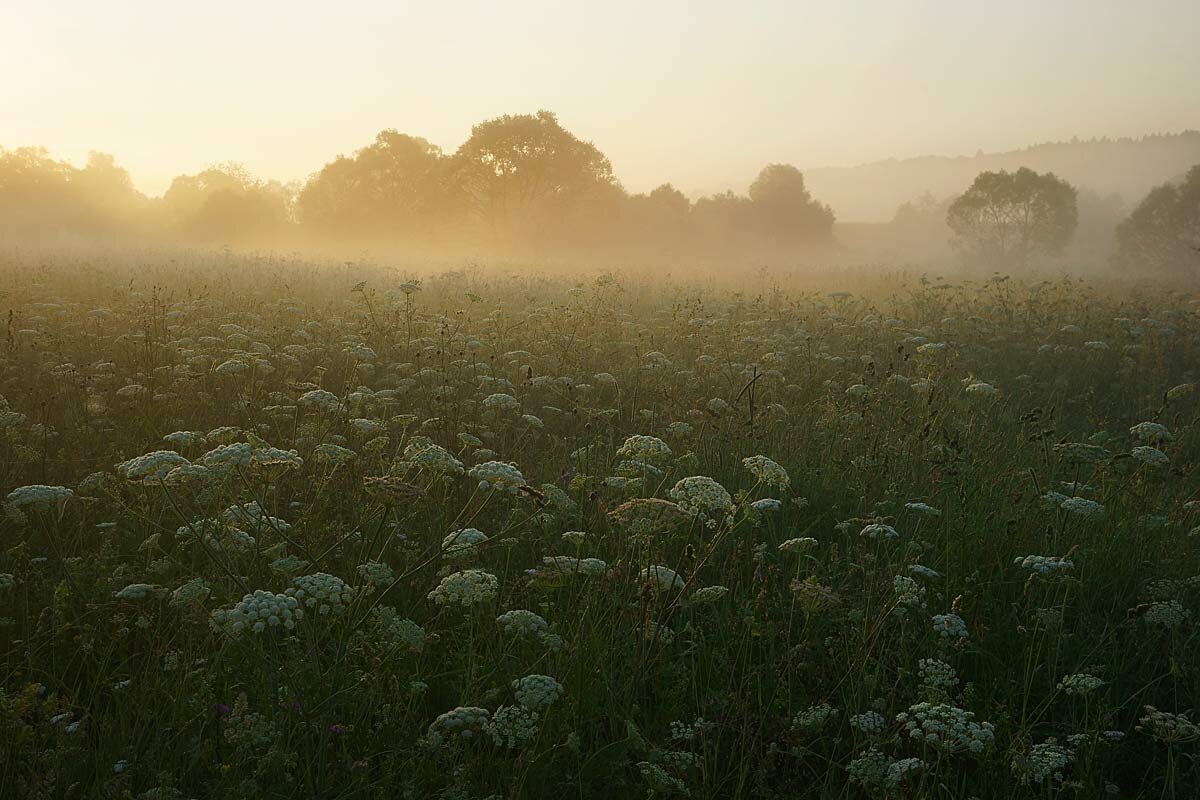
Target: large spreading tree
x=522, y=173
x=1008, y=218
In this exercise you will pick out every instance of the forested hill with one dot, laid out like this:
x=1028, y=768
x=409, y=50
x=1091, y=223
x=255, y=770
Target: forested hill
x=1128, y=167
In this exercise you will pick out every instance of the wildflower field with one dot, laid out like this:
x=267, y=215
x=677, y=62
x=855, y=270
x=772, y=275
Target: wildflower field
x=278, y=529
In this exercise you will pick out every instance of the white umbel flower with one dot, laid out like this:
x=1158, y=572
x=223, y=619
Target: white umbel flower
x=322, y=592
x=466, y=588
x=537, y=691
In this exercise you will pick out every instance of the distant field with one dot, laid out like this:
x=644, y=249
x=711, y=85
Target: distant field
x=272, y=529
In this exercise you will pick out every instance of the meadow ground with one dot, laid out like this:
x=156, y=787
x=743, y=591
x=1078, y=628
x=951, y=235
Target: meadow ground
x=272, y=529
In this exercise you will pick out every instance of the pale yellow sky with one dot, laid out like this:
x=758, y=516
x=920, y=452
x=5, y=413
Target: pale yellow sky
x=700, y=94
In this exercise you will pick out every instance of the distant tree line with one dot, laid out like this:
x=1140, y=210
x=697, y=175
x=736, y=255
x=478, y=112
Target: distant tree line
x=523, y=185
x=1010, y=220
x=520, y=184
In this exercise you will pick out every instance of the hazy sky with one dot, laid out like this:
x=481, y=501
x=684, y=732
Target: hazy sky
x=700, y=94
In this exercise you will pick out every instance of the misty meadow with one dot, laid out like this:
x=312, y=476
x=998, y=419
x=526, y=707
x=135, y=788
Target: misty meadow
x=488, y=402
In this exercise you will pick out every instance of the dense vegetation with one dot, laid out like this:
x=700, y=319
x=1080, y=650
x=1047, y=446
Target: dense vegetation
x=279, y=529
x=524, y=188
x=520, y=184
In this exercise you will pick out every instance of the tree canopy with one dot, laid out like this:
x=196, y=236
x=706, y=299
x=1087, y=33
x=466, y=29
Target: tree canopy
x=1006, y=218
x=783, y=208
x=521, y=184
x=1162, y=234
x=398, y=184
x=225, y=203
x=523, y=172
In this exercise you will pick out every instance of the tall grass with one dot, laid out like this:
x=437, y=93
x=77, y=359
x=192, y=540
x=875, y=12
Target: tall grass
x=972, y=398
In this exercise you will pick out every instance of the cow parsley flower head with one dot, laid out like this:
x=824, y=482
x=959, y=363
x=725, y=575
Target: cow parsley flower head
x=37, y=496
x=1151, y=432
x=659, y=782
x=679, y=429
x=570, y=565
x=1043, y=761
x=949, y=626
x=650, y=513
x=267, y=456
x=254, y=515
x=768, y=472
x=1045, y=565
x=1182, y=390
x=522, y=624
x=767, y=505
x=390, y=490
x=138, y=591
x=497, y=476
x=1167, y=726
x=151, y=467
x=329, y=453
x=132, y=391
x=798, y=546
x=946, y=728
x=462, y=545
x=513, y=727
x=1081, y=683
x=703, y=497
x=868, y=722
x=878, y=530
x=320, y=400
x=663, y=579
x=936, y=674
x=1150, y=456
x=376, y=573
x=421, y=453
x=188, y=474
x=1081, y=452
x=709, y=594
x=322, y=592
x=814, y=718
x=981, y=389
x=231, y=367
x=537, y=691
x=922, y=508
x=1088, y=510
x=908, y=593
x=876, y=772
x=237, y=454
x=465, y=589
x=194, y=591
x=645, y=449
x=501, y=402
x=576, y=538
x=458, y=724
x=259, y=611
x=1166, y=614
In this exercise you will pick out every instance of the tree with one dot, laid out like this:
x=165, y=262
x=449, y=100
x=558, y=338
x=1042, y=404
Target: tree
x=40, y=194
x=658, y=221
x=108, y=199
x=35, y=191
x=397, y=185
x=723, y=222
x=783, y=209
x=1163, y=231
x=523, y=173
x=1006, y=218
x=226, y=203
